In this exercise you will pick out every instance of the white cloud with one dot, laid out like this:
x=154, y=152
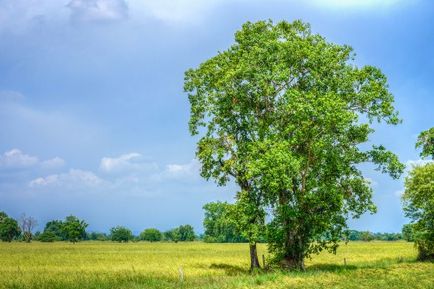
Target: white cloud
x=15, y=158
x=74, y=178
x=98, y=10
x=55, y=162
x=190, y=169
x=414, y=163
x=126, y=163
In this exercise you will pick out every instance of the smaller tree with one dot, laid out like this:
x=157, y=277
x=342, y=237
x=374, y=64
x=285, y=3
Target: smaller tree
x=425, y=142
x=151, y=235
x=47, y=236
x=56, y=228
x=121, y=234
x=96, y=236
x=27, y=225
x=9, y=228
x=418, y=198
x=172, y=235
x=186, y=233
x=418, y=201
x=74, y=229
x=407, y=232
x=218, y=224
x=367, y=236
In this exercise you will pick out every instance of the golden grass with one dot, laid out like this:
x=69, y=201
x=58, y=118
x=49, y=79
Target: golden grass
x=157, y=265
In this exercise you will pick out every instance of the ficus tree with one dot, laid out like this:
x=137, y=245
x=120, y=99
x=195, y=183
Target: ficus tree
x=418, y=198
x=283, y=113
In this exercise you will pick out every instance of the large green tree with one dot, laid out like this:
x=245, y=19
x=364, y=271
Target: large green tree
x=283, y=113
x=418, y=198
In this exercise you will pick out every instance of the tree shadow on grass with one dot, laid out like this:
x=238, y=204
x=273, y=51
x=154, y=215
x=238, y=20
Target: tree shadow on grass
x=230, y=270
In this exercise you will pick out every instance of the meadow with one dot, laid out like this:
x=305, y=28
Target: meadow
x=202, y=265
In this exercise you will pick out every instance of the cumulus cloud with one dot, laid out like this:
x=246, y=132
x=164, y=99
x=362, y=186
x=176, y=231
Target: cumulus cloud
x=415, y=163
x=55, y=162
x=73, y=178
x=15, y=158
x=98, y=10
x=126, y=163
x=190, y=169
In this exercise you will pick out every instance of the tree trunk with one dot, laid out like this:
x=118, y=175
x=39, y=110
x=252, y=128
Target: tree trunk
x=294, y=257
x=254, y=261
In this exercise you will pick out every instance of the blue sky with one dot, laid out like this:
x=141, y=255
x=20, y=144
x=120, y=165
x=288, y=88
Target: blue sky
x=93, y=118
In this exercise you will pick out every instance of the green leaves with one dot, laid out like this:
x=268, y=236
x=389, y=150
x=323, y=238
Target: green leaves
x=387, y=161
x=418, y=201
x=283, y=113
x=425, y=141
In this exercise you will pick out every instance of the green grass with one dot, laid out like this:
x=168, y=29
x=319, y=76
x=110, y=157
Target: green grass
x=156, y=265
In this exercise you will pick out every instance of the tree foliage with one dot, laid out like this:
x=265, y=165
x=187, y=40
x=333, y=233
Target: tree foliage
x=54, y=228
x=151, y=234
x=283, y=113
x=182, y=233
x=9, y=229
x=74, y=229
x=121, y=234
x=186, y=233
x=218, y=224
x=425, y=142
x=418, y=201
x=407, y=232
x=172, y=235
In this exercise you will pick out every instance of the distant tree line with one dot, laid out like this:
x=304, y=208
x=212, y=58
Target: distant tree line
x=221, y=226
x=73, y=229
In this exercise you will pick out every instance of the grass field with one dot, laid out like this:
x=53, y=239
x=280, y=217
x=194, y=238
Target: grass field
x=156, y=265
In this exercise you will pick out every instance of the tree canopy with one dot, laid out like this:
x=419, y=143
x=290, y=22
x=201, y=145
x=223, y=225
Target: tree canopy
x=283, y=113
x=9, y=229
x=218, y=224
x=121, y=234
x=418, y=198
x=151, y=234
x=425, y=142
